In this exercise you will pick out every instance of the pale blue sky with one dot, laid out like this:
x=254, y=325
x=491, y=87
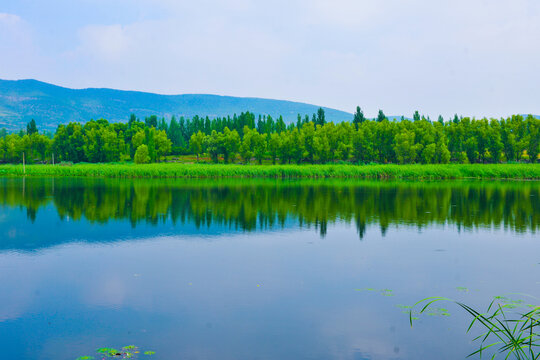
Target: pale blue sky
x=473, y=57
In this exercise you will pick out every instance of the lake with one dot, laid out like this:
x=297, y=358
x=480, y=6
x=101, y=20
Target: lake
x=257, y=269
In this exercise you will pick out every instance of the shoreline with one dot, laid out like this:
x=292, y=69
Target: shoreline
x=194, y=171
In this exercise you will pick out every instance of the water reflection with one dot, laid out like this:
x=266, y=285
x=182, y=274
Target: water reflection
x=251, y=293
x=252, y=205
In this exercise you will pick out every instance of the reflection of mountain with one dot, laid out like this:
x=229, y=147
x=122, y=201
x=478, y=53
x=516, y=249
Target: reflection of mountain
x=141, y=205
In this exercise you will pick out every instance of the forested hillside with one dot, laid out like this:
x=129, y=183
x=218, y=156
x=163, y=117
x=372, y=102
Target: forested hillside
x=50, y=105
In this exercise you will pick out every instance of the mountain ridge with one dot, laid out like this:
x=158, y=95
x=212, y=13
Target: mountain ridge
x=50, y=105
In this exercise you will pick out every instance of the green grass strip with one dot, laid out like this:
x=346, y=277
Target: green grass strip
x=170, y=170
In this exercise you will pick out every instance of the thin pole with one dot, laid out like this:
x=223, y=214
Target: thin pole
x=53, y=158
x=23, y=164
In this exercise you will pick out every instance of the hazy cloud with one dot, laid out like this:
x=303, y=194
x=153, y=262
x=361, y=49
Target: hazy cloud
x=9, y=18
x=471, y=57
x=18, y=49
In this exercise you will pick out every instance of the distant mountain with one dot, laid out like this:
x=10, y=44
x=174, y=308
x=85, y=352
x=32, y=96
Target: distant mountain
x=535, y=116
x=50, y=105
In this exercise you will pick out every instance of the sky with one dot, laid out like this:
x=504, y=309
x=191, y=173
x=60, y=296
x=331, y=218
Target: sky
x=471, y=57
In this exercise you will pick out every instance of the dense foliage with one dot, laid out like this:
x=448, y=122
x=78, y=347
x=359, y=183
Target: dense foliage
x=309, y=140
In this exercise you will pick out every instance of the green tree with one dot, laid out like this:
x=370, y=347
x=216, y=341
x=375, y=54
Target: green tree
x=533, y=141
x=93, y=144
x=2, y=149
x=495, y=145
x=229, y=144
x=149, y=140
x=138, y=139
x=132, y=119
x=280, y=125
x=246, y=146
x=141, y=155
x=40, y=145
x=13, y=148
x=471, y=149
x=61, y=144
x=151, y=121
x=440, y=120
x=296, y=146
x=31, y=127
x=384, y=140
x=343, y=148
x=285, y=147
x=163, y=125
x=321, y=118
x=380, y=116
x=259, y=146
x=112, y=145
x=212, y=145
x=442, y=153
x=274, y=144
x=174, y=133
x=429, y=153
x=358, y=117
x=404, y=147
x=362, y=149
x=299, y=121
x=196, y=143
x=308, y=136
x=163, y=144
x=75, y=149
x=321, y=145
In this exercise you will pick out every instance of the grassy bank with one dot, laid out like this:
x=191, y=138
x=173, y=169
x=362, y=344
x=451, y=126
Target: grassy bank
x=168, y=170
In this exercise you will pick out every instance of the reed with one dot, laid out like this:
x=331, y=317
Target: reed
x=511, y=333
x=175, y=170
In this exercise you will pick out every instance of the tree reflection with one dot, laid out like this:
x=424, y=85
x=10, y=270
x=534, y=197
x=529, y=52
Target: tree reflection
x=251, y=205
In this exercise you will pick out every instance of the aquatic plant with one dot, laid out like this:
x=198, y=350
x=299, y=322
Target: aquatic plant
x=509, y=332
x=127, y=352
x=383, y=292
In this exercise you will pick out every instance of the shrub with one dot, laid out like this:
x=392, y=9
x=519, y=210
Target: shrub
x=141, y=155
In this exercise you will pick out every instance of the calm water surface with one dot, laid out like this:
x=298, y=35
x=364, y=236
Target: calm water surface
x=256, y=269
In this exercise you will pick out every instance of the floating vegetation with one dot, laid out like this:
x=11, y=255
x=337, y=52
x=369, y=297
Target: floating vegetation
x=436, y=312
x=127, y=352
x=406, y=309
x=383, y=292
x=431, y=311
x=509, y=302
x=462, y=289
x=512, y=333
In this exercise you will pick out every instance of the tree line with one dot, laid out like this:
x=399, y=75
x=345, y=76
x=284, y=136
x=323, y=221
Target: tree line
x=246, y=138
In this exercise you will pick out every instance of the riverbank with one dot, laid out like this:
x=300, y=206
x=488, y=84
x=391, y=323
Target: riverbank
x=169, y=170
